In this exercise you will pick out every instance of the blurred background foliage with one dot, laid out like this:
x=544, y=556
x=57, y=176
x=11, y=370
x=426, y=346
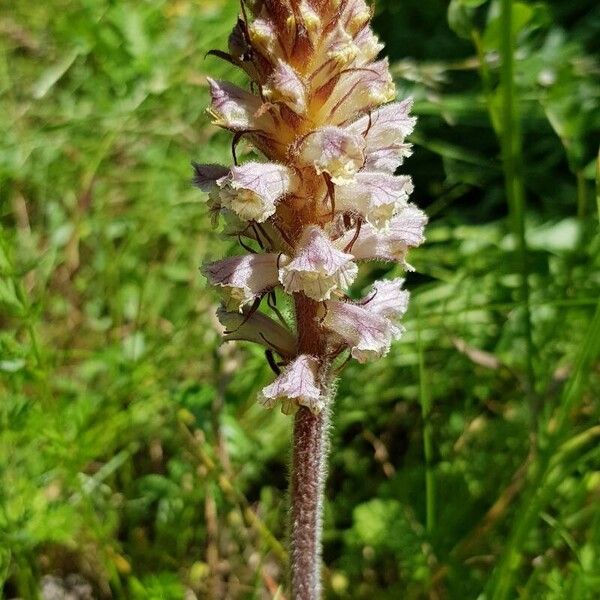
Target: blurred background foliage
x=134, y=462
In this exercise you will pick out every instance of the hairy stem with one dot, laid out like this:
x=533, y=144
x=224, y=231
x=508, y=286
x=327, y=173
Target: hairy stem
x=308, y=476
x=309, y=457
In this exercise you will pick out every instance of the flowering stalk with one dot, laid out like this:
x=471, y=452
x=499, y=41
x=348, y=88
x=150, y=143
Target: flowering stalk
x=320, y=109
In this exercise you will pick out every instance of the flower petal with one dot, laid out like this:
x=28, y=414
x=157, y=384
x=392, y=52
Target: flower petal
x=355, y=15
x=318, y=267
x=388, y=299
x=232, y=107
x=405, y=231
x=263, y=36
x=252, y=190
x=359, y=90
x=242, y=278
x=285, y=86
x=311, y=20
x=298, y=384
x=385, y=130
x=368, y=46
x=334, y=151
x=368, y=334
x=257, y=328
x=375, y=196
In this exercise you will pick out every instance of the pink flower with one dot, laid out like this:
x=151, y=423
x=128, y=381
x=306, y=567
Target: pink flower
x=384, y=131
x=334, y=151
x=405, y=230
x=377, y=197
x=318, y=267
x=286, y=87
x=241, y=279
x=232, y=107
x=297, y=385
x=368, y=327
x=253, y=189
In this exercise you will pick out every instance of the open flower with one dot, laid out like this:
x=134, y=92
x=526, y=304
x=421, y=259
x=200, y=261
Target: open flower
x=388, y=299
x=232, y=107
x=368, y=335
x=243, y=278
x=285, y=86
x=318, y=268
x=377, y=197
x=385, y=131
x=334, y=151
x=405, y=230
x=369, y=327
x=297, y=385
x=253, y=189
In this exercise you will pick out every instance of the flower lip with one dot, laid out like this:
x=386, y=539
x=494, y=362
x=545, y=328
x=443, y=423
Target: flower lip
x=318, y=268
x=232, y=107
x=405, y=230
x=253, y=189
x=375, y=196
x=334, y=151
x=296, y=385
x=369, y=326
x=241, y=279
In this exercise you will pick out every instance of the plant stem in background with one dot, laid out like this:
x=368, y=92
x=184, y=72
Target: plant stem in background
x=515, y=192
x=598, y=184
x=425, y=400
x=545, y=473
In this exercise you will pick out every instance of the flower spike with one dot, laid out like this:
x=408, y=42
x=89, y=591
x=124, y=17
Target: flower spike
x=320, y=196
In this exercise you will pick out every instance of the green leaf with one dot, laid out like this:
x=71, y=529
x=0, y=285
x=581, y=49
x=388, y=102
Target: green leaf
x=460, y=16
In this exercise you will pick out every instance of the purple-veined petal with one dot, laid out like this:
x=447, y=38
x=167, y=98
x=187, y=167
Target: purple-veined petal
x=368, y=46
x=385, y=130
x=259, y=329
x=232, y=107
x=388, y=299
x=284, y=85
x=358, y=90
x=355, y=15
x=311, y=20
x=242, y=278
x=318, y=267
x=253, y=189
x=298, y=384
x=405, y=230
x=376, y=196
x=367, y=334
x=334, y=151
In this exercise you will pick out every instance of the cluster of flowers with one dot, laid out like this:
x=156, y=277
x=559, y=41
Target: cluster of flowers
x=320, y=109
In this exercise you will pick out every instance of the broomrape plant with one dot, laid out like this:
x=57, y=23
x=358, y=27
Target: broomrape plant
x=320, y=108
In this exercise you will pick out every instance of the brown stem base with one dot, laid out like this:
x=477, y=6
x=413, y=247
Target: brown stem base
x=307, y=479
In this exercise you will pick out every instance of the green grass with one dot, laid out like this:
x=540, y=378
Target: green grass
x=132, y=452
